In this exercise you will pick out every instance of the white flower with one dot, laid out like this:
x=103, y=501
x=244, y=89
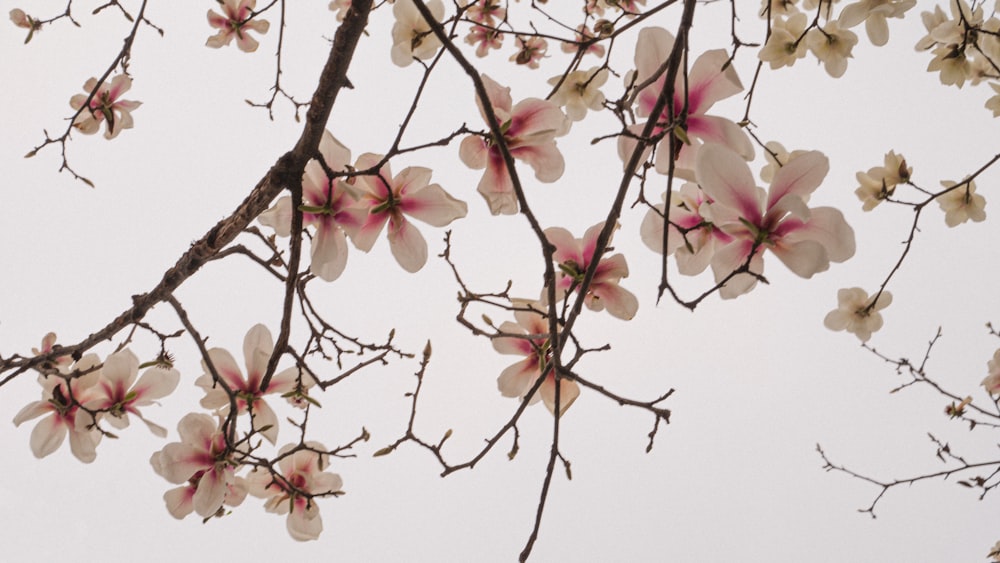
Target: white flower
x=411, y=35
x=992, y=385
x=961, y=204
x=832, y=46
x=856, y=313
x=783, y=47
x=580, y=91
x=880, y=182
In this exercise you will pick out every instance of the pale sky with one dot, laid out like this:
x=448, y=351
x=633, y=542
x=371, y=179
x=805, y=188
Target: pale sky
x=759, y=381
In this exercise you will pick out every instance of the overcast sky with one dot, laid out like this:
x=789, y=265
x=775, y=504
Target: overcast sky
x=759, y=381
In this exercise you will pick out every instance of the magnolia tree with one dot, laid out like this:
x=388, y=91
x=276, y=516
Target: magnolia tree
x=655, y=124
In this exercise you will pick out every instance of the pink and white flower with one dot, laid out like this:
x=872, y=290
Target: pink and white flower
x=340, y=7
x=573, y=256
x=236, y=23
x=301, y=477
x=530, y=51
x=992, y=380
x=117, y=397
x=532, y=341
x=709, y=80
x=202, y=462
x=387, y=199
x=105, y=106
x=805, y=240
x=529, y=131
x=328, y=206
x=249, y=397
x=693, y=239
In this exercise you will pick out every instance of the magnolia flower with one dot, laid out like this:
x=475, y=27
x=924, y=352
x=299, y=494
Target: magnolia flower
x=201, y=461
x=412, y=37
x=485, y=12
x=874, y=13
x=21, y=19
x=518, y=379
x=60, y=363
x=105, y=105
x=583, y=34
x=994, y=553
x=387, y=199
x=855, y=312
x=709, y=80
x=328, y=205
x=993, y=104
x=116, y=396
x=992, y=381
x=580, y=91
x=301, y=477
x=832, y=46
x=61, y=402
x=598, y=7
x=805, y=240
x=880, y=182
x=530, y=51
x=693, y=248
x=484, y=39
x=962, y=203
x=573, y=257
x=784, y=47
x=340, y=7
x=257, y=349
x=236, y=23
x=529, y=131
x=776, y=156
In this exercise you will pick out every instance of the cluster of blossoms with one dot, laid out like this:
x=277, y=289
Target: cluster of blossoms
x=78, y=396
x=205, y=464
x=880, y=182
x=338, y=209
x=792, y=34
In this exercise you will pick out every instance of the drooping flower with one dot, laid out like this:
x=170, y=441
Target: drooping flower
x=583, y=34
x=709, y=80
x=328, y=206
x=573, y=256
x=249, y=397
x=832, y=46
x=412, y=37
x=484, y=39
x=783, y=47
x=117, y=397
x=530, y=51
x=580, y=91
x=518, y=379
x=485, y=12
x=529, y=130
x=301, y=477
x=874, y=14
x=880, y=182
x=105, y=106
x=200, y=461
x=61, y=402
x=25, y=21
x=962, y=204
x=856, y=314
x=235, y=23
x=805, y=240
x=387, y=199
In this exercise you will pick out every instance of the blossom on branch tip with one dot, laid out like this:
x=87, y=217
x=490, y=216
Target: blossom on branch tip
x=25, y=21
x=579, y=91
x=202, y=463
x=485, y=12
x=874, y=14
x=529, y=130
x=117, y=397
x=710, y=79
x=341, y=7
x=805, y=239
x=386, y=199
x=962, y=203
x=879, y=183
x=412, y=37
x=517, y=380
x=832, y=46
x=856, y=313
x=61, y=400
x=583, y=34
x=301, y=477
x=246, y=392
x=573, y=257
x=484, y=39
x=105, y=106
x=693, y=239
x=60, y=363
x=235, y=23
x=530, y=51
x=784, y=46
